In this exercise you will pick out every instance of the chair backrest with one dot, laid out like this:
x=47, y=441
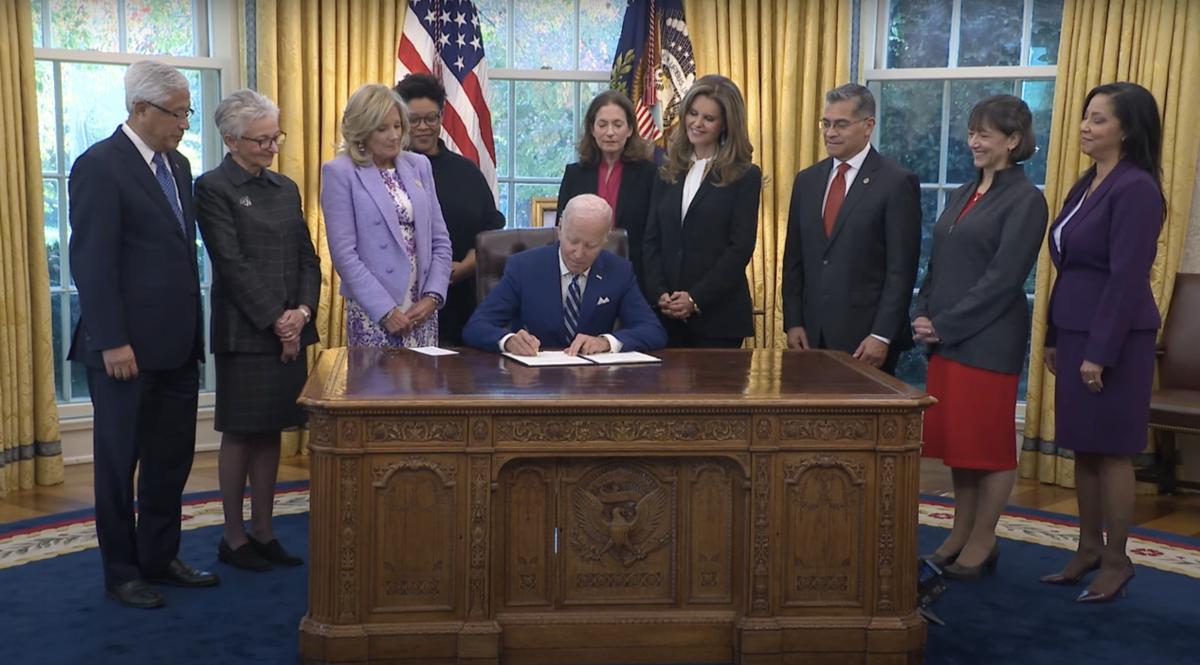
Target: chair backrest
x=492, y=249
x=1180, y=365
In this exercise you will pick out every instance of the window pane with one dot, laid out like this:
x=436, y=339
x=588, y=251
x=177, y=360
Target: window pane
x=493, y=23
x=503, y=204
x=1023, y=386
x=544, y=128
x=599, y=30
x=93, y=105
x=911, y=127
x=1039, y=95
x=964, y=95
x=56, y=336
x=36, y=11
x=919, y=33
x=192, y=144
x=87, y=25
x=587, y=92
x=79, y=387
x=1044, y=35
x=47, y=115
x=50, y=229
x=499, y=93
x=524, y=200
x=544, y=31
x=159, y=27
x=990, y=33
x=929, y=215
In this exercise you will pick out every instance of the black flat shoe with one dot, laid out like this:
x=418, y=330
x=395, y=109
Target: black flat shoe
x=957, y=571
x=245, y=557
x=136, y=593
x=274, y=552
x=179, y=573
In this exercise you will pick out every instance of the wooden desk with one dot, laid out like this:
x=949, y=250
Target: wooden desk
x=758, y=506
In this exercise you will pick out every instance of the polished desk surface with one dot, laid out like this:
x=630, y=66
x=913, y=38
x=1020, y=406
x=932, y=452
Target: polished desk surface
x=349, y=378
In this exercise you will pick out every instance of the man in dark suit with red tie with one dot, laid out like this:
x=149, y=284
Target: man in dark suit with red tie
x=853, y=241
x=133, y=254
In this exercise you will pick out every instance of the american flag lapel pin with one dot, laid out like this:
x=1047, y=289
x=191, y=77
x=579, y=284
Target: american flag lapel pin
x=866, y=181
x=245, y=202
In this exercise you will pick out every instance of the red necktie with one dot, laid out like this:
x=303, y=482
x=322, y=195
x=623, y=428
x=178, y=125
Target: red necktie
x=837, y=194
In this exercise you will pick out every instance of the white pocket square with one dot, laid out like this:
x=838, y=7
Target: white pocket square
x=602, y=301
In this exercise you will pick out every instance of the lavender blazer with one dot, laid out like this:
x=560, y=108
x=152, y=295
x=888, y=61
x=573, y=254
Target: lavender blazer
x=1108, y=247
x=363, y=230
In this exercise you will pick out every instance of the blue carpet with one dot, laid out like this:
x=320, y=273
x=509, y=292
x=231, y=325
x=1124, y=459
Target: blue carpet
x=53, y=611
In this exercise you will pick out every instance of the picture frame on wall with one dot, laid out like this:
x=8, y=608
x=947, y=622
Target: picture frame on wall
x=544, y=212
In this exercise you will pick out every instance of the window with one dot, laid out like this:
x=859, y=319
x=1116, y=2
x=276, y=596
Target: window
x=82, y=48
x=547, y=59
x=928, y=62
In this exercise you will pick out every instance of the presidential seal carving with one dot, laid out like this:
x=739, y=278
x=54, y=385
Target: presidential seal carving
x=623, y=512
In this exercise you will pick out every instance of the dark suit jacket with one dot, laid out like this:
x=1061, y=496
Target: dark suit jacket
x=1103, y=285
x=706, y=254
x=262, y=256
x=633, y=200
x=974, y=288
x=859, y=281
x=138, y=280
x=529, y=296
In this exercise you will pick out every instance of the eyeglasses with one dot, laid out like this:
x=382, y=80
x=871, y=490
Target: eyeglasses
x=839, y=125
x=265, y=142
x=178, y=115
x=430, y=120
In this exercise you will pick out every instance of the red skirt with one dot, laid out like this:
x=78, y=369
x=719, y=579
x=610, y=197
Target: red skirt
x=973, y=425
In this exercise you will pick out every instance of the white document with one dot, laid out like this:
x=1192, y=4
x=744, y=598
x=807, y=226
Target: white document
x=433, y=351
x=622, y=358
x=549, y=359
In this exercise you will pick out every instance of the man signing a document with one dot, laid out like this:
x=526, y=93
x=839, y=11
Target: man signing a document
x=567, y=295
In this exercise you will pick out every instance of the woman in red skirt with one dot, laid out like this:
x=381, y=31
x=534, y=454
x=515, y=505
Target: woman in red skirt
x=972, y=314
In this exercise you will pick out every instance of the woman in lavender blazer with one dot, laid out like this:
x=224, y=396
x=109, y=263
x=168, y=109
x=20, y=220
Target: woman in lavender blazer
x=385, y=229
x=1102, y=324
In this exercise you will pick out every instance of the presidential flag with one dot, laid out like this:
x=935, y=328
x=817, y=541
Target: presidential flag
x=654, y=64
x=442, y=37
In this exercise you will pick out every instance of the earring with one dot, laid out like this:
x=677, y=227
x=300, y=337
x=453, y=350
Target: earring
x=362, y=147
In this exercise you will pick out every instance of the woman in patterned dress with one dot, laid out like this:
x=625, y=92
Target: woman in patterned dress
x=385, y=228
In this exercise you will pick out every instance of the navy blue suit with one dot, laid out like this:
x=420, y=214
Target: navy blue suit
x=139, y=285
x=529, y=296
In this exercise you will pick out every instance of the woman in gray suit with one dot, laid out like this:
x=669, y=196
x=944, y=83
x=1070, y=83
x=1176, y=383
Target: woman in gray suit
x=972, y=313
x=266, y=282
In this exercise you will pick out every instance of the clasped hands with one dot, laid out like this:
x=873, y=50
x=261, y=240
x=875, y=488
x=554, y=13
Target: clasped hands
x=398, y=321
x=287, y=328
x=678, y=305
x=524, y=343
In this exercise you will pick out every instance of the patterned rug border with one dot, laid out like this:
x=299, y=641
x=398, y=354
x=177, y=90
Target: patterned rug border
x=55, y=535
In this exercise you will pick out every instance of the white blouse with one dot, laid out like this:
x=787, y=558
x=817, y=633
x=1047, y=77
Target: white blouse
x=1059, y=229
x=691, y=184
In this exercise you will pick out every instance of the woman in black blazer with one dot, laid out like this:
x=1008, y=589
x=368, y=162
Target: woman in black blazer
x=703, y=222
x=972, y=313
x=614, y=164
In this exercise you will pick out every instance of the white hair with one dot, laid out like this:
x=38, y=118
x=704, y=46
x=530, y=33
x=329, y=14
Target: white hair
x=588, y=205
x=151, y=81
x=241, y=108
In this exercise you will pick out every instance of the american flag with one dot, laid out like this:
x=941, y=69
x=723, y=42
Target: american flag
x=442, y=37
x=654, y=64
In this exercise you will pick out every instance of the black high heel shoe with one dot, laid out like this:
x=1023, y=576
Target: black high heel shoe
x=957, y=571
x=1064, y=580
x=939, y=560
x=1089, y=596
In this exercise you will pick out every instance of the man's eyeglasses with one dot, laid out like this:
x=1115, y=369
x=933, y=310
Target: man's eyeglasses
x=430, y=120
x=838, y=125
x=264, y=142
x=178, y=115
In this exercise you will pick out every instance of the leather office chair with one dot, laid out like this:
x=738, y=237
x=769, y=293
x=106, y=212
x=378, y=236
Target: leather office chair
x=1175, y=406
x=492, y=249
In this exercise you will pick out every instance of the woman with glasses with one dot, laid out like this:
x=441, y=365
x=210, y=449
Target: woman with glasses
x=266, y=282
x=468, y=205
x=386, y=233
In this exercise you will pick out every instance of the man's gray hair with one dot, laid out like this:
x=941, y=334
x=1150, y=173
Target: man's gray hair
x=151, y=81
x=241, y=108
x=864, y=101
x=586, y=205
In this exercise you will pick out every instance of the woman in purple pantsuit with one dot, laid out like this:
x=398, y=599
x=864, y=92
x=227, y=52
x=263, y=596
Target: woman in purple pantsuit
x=1102, y=324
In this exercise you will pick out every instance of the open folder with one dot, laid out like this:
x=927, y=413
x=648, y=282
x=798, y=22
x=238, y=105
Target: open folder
x=558, y=359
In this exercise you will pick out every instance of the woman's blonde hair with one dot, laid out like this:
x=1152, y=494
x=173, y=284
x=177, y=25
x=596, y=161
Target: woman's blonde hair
x=734, y=152
x=364, y=113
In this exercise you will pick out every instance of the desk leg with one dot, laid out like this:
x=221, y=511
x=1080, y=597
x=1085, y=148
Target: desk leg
x=479, y=639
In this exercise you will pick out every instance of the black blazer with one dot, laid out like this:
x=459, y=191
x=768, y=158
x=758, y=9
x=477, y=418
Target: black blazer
x=262, y=256
x=859, y=281
x=705, y=254
x=633, y=201
x=138, y=279
x=974, y=287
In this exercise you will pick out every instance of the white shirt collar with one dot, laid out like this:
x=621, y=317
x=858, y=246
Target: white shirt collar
x=143, y=149
x=564, y=271
x=856, y=161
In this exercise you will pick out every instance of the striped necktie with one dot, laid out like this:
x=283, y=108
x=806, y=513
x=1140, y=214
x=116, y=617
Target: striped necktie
x=571, y=307
x=163, y=175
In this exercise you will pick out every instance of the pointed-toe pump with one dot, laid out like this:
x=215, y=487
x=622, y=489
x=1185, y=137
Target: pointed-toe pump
x=1089, y=596
x=957, y=571
x=1065, y=580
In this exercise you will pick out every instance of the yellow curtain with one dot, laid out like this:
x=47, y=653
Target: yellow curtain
x=1152, y=43
x=783, y=55
x=309, y=56
x=30, y=448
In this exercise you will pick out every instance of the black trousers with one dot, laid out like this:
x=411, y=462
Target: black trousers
x=148, y=422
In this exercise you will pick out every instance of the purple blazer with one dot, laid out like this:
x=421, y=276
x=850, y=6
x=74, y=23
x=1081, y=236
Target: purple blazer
x=1108, y=247
x=363, y=230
